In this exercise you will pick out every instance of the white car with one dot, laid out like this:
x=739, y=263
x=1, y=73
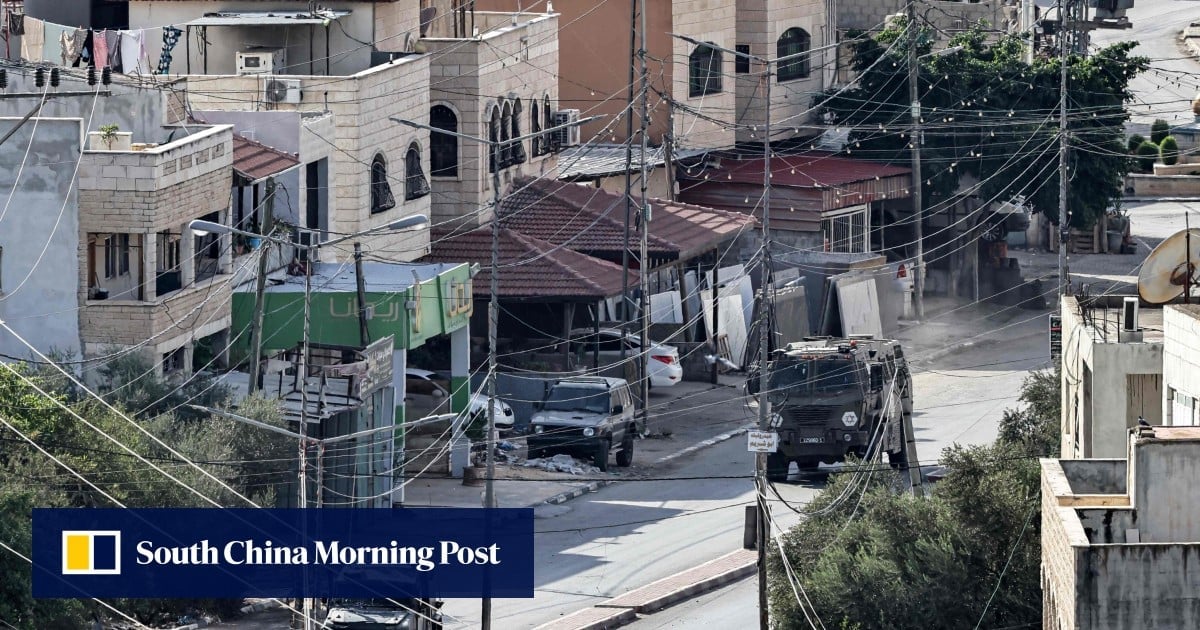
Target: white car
x=663, y=365
x=428, y=392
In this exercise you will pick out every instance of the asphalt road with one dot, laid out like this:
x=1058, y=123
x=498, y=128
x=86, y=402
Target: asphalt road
x=1156, y=27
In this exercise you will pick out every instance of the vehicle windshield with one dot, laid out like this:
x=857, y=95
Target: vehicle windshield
x=586, y=399
x=834, y=374
x=821, y=375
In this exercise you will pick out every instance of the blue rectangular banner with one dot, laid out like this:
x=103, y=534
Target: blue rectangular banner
x=217, y=552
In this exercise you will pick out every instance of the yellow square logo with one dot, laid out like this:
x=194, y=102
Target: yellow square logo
x=91, y=552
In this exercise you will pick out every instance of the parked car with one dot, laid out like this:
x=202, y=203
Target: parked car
x=663, y=365
x=585, y=416
x=428, y=393
x=383, y=614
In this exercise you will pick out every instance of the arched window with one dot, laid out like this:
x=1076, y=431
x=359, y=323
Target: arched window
x=415, y=185
x=494, y=139
x=793, y=41
x=518, y=146
x=443, y=147
x=704, y=71
x=535, y=128
x=506, y=154
x=547, y=122
x=381, y=193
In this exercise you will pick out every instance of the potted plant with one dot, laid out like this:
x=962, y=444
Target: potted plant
x=110, y=138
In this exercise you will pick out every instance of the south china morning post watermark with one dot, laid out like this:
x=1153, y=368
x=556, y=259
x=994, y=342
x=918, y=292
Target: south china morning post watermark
x=422, y=552
x=252, y=552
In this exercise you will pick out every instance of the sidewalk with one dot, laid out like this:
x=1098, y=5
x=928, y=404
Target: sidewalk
x=681, y=420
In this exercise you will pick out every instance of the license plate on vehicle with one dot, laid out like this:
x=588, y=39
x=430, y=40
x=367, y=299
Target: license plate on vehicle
x=811, y=440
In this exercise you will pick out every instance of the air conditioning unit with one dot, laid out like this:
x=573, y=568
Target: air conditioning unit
x=567, y=136
x=261, y=61
x=1131, y=331
x=277, y=90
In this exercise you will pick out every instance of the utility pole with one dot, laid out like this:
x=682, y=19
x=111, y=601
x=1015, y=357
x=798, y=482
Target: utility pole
x=764, y=353
x=1064, y=229
x=643, y=361
x=489, y=490
x=364, y=335
x=633, y=44
x=311, y=252
x=256, y=326
x=914, y=97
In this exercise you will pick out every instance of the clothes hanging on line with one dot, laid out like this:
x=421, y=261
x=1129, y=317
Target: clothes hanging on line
x=112, y=41
x=100, y=49
x=16, y=23
x=53, y=51
x=133, y=52
x=170, y=39
x=33, y=42
x=73, y=40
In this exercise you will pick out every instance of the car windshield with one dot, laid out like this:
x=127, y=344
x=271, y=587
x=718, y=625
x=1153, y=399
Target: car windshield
x=567, y=398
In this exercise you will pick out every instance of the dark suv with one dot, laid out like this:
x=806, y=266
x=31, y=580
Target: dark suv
x=585, y=416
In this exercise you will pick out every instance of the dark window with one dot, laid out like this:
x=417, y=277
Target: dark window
x=493, y=139
x=381, y=193
x=535, y=128
x=547, y=122
x=704, y=71
x=518, y=146
x=116, y=255
x=506, y=157
x=443, y=147
x=415, y=185
x=792, y=42
x=741, y=64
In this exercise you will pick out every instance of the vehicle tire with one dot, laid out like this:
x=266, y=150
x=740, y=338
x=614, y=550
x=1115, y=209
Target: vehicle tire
x=807, y=465
x=625, y=455
x=898, y=460
x=600, y=458
x=777, y=467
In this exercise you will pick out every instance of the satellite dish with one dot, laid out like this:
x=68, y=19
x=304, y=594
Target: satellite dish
x=1171, y=267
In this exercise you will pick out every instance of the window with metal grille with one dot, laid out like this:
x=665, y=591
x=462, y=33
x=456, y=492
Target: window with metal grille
x=517, y=149
x=415, y=185
x=494, y=140
x=381, y=193
x=704, y=71
x=793, y=42
x=116, y=255
x=505, y=146
x=536, y=146
x=846, y=233
x=443, y=147
x=547, y=122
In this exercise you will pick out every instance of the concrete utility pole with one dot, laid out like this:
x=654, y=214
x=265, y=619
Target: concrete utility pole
x=764, y=354
x=1064, y=220
x=633, y=42
x=643, y=360
x=915, y=143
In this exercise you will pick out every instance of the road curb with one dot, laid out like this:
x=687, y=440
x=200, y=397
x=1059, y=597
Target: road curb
x=248, y=609
x=593, y=486
x=699, y=588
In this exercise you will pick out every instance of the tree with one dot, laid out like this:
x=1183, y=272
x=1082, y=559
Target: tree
x=990, y=116
x=1135, y=141
x=1169, y=149
x=871, y=556
x=1147, y=155
x=1159, y=129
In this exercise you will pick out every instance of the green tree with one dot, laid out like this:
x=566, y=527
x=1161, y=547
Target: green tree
x=1159, y=129
x=1169, y=149
x=1147, y=155
x=1134, y=142
x=989, y=115
x=1036, y=427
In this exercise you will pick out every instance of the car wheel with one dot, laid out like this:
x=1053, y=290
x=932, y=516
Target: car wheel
x=777, y=467
x=537, y=453
x=808, y=465
x=625, y=455
x=600, y=458
x=898, y=460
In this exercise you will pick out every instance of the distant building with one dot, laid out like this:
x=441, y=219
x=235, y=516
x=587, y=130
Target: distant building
x=1111, y=376
x=1181, y=365
x=1121, y=538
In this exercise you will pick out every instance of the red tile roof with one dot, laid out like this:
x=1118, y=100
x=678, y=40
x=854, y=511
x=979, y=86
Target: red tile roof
x=815, y=169
x=592, y=220
x=530, y=268
x=255, y=160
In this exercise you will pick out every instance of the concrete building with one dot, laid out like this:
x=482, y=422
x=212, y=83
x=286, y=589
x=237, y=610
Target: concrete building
x=1110, y=376
x=1121, y=537
x=500, y=85
x=1181, y=365
x=96, y=255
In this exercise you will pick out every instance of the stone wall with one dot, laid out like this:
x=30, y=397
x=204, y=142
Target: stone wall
x=1162, y=185
x=946, y=16
x=704, y=121
x=1061, y=537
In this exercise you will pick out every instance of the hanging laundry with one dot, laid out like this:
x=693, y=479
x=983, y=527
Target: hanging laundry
x=34, y=39
x=53, y=51
x=170, y=39
x=112, y=41
x=16, y=23
x=87, y=55
x=72, y=45
x=100, y=49
x=133, y=52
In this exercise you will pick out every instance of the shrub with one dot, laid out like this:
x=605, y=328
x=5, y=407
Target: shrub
x=1169, y=149
x=1135, y=141
x=1147, y=155
x=1159, y=130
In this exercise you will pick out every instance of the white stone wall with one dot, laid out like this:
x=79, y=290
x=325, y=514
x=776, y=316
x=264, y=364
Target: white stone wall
x=362, y=106
x=472, y=78
x=1181, y=355
x=707, y=21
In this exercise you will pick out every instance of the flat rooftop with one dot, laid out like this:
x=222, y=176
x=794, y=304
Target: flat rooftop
x=1105, y=316
x=378, y=277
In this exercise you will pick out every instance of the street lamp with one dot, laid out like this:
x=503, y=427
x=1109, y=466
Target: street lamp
x=489, y=494
x=202, y=228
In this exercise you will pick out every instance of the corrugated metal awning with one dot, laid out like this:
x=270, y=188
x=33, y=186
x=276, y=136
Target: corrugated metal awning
x=268, y=18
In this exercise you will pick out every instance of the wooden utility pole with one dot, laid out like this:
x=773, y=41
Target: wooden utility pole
x=363, y=334
x=264, y=254
x=914, y=97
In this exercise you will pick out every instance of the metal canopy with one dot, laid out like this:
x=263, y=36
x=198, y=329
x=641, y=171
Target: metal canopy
x=268, y=18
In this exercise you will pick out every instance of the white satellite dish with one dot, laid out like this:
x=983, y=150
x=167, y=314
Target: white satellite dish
x=1171, y=267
